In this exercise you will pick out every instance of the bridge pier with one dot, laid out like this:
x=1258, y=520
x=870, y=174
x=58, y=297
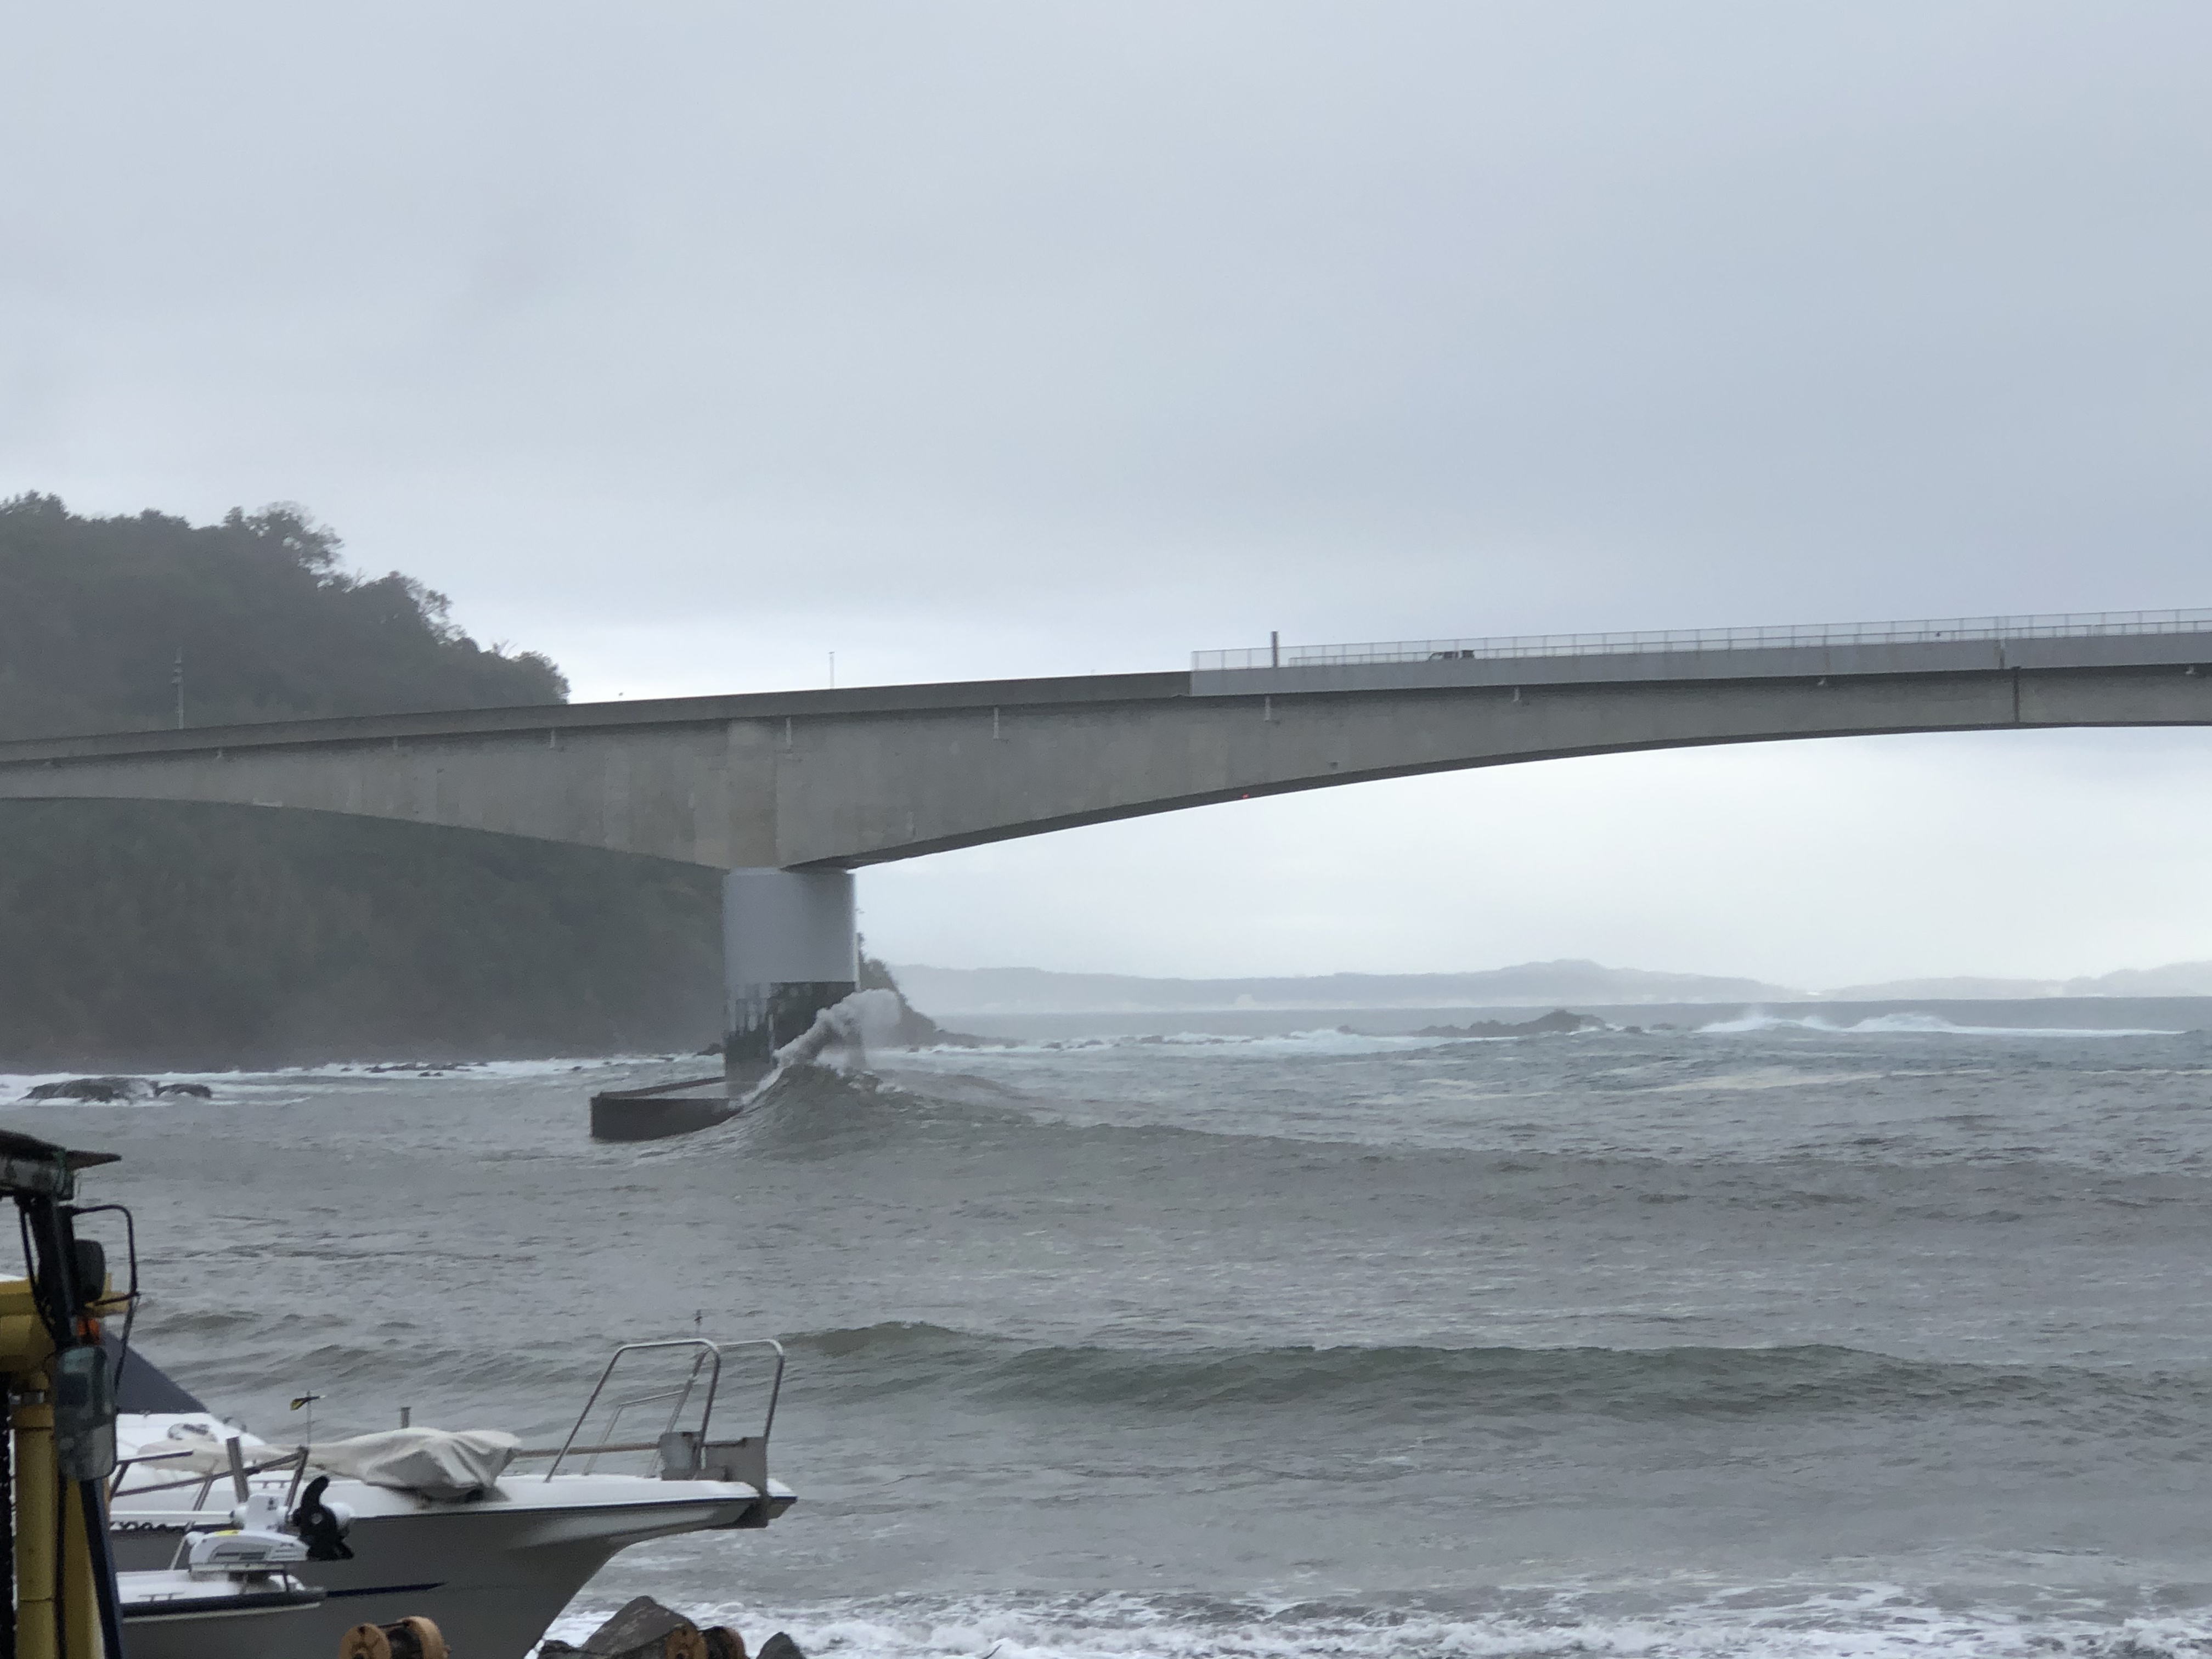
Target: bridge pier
x=788, y=951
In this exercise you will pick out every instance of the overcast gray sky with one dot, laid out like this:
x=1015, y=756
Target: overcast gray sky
x=692, y=342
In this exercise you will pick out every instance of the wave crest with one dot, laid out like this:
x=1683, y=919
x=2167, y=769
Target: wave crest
x=1433, y=1382
x=1909, y=1025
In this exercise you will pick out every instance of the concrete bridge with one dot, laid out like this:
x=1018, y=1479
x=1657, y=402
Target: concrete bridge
x=789, y=792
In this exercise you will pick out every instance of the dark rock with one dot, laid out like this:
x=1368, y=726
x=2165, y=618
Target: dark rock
x=779, y=1646
x=94, y=1088
x=916, y=1029
x=194, y=1091
x=723, y=1642
x=638, y=1627
x=1558, y=1022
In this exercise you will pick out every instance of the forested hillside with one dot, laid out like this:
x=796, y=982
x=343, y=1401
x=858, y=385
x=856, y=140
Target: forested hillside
x=151, y=935
x=93, y=613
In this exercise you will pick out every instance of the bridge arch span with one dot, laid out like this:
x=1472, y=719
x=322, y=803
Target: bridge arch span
x=790, y=792
x=839, y=779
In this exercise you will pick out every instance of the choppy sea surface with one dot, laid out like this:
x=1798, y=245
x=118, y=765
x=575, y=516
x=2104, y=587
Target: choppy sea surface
x=1768, y=1337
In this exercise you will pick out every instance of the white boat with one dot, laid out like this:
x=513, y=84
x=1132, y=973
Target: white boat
x=176, y=1615
x=493, y=1564
x=229, y=1592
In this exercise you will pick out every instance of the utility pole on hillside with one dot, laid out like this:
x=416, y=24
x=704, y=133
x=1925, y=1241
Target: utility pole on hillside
x=177, y=679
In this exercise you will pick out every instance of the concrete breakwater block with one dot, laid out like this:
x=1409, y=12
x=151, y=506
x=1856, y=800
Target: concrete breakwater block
x=661, y=1111
x=643, y=1629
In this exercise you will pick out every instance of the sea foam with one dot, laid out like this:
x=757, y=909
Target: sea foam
x=1910, y=1024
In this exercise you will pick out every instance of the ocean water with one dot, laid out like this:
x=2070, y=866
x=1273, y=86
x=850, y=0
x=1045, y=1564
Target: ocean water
x=1780, y=1336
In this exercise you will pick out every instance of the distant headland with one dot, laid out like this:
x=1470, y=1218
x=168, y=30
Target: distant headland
x=954, y=992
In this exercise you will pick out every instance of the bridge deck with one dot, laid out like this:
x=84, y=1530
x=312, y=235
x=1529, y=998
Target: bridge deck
x=867, y=773
x=1768, y=662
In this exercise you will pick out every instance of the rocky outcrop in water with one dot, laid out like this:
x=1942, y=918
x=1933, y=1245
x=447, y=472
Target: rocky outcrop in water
x=643, y=1629
x=915, y=1029
x=100, y=1089
x=1559, y=1023
x=107, y=1090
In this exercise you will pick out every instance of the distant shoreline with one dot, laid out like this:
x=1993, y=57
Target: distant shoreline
x=1874, y=1019
x=970, y=993
x=2178, y=1014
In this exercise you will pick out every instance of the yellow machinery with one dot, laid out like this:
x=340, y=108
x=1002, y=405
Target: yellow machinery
x=60, y=1417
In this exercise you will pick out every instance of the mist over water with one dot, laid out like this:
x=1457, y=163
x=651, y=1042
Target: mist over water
x=1777, y=1336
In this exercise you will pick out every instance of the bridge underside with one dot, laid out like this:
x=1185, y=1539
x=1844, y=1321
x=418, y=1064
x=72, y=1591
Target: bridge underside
x=790, y=793
x=1232, y=748
x=839, y=779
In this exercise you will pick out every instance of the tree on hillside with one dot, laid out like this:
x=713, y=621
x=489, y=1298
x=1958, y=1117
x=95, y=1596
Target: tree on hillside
x=94, y=612
x=146, y=933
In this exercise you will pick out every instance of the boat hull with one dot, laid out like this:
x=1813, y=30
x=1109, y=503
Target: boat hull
x=168, y=1615
x=492, y=1574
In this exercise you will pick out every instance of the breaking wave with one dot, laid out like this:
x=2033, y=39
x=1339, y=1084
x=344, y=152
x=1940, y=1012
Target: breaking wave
x=1332, y=1040
x=1679, y=1621
x=1402, y=1383
x=1911, y=1024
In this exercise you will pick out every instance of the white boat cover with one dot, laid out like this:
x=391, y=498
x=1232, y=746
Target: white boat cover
x=436, y=1462
x=178, y=1444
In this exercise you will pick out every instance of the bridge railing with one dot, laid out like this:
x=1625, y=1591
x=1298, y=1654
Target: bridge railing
x=2080, y=624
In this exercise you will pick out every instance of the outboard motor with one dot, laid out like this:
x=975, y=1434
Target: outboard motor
x=322, y=1526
